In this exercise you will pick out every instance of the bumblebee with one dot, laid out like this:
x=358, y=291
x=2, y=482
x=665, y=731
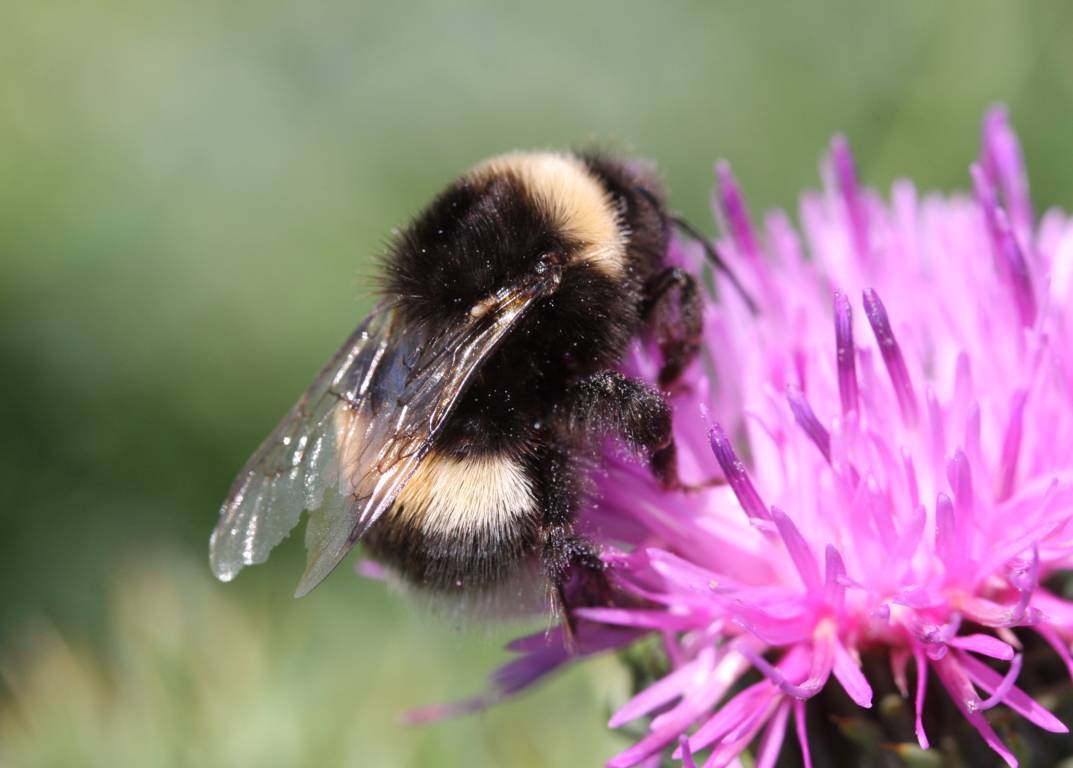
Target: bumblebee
x=452, y=431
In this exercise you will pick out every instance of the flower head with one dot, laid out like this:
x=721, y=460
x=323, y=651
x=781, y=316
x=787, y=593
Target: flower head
x=895, y=432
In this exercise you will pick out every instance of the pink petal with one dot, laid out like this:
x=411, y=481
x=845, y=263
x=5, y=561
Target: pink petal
x=666, y=689
x=834, y=589
x=992, y=614
x=1002, y=162
x=668, y=726
x=738, y=740
x=806, y=419
x=782, y=238
x=1011, y=445
x=909, y=541
x=640, y=618
x=846, y=354
x=802, y=732
x=732, y=205
x=959, y=686
x=879, y=505
x=911, y=479
x=736, y=475
x=891, y=352
x=899, y=662
x=537, y=641
x=1014, y=698
x=959, y=474
x=798, y=549
x=687, y=754
x=731, y=715
x=935, y=421
x=772, y=629
x=1004, y=686
x=845, y=175
x=1059, y=611
x=984, y=644
x=742, y=733
x=1009, y=257
x=922, y=687
x=771, y=743
x=949, y=541
x=680, y=571
x=849, y=674
x=1025, y=581
x=819, y=670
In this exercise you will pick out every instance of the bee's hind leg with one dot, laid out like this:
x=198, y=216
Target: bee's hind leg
x=578, y=577
x=571, y=564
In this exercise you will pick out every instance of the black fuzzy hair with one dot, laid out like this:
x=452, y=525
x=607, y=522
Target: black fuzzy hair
x=475, y=237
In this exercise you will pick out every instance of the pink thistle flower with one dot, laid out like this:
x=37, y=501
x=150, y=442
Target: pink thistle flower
x=895, y=428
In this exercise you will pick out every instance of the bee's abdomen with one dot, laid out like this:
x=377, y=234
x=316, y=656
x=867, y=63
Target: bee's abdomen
x=460, y=523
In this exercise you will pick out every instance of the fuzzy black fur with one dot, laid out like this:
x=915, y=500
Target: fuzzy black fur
x=475, y=237
x=550, y=390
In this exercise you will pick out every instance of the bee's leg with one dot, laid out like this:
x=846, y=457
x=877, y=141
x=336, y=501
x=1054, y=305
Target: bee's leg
x=672, y=308
x=572, y=566
x=608, y=403
x=577, y=576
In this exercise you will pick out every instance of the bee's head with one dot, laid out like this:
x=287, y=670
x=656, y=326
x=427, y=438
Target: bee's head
x=498, y=224
x=499, y=227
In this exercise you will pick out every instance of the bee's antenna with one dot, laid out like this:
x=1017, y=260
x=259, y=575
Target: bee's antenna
x=716, y=260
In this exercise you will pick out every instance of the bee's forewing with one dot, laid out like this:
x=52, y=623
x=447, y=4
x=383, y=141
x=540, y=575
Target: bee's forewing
x=297, y=466
x=352, y=441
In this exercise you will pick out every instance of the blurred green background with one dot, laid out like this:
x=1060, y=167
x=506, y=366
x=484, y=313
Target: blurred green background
x=190, y=195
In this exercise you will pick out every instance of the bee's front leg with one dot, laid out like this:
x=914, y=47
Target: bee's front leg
x=610, y=404
x=673, y=310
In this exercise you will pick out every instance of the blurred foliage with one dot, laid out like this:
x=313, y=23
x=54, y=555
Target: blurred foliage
x=191, y=675
x=190, y=195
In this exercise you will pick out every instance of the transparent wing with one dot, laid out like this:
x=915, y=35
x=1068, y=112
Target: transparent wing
x=352, y=441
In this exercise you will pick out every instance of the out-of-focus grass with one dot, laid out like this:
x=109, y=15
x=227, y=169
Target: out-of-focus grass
x=190, y=194
x=191, y=675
